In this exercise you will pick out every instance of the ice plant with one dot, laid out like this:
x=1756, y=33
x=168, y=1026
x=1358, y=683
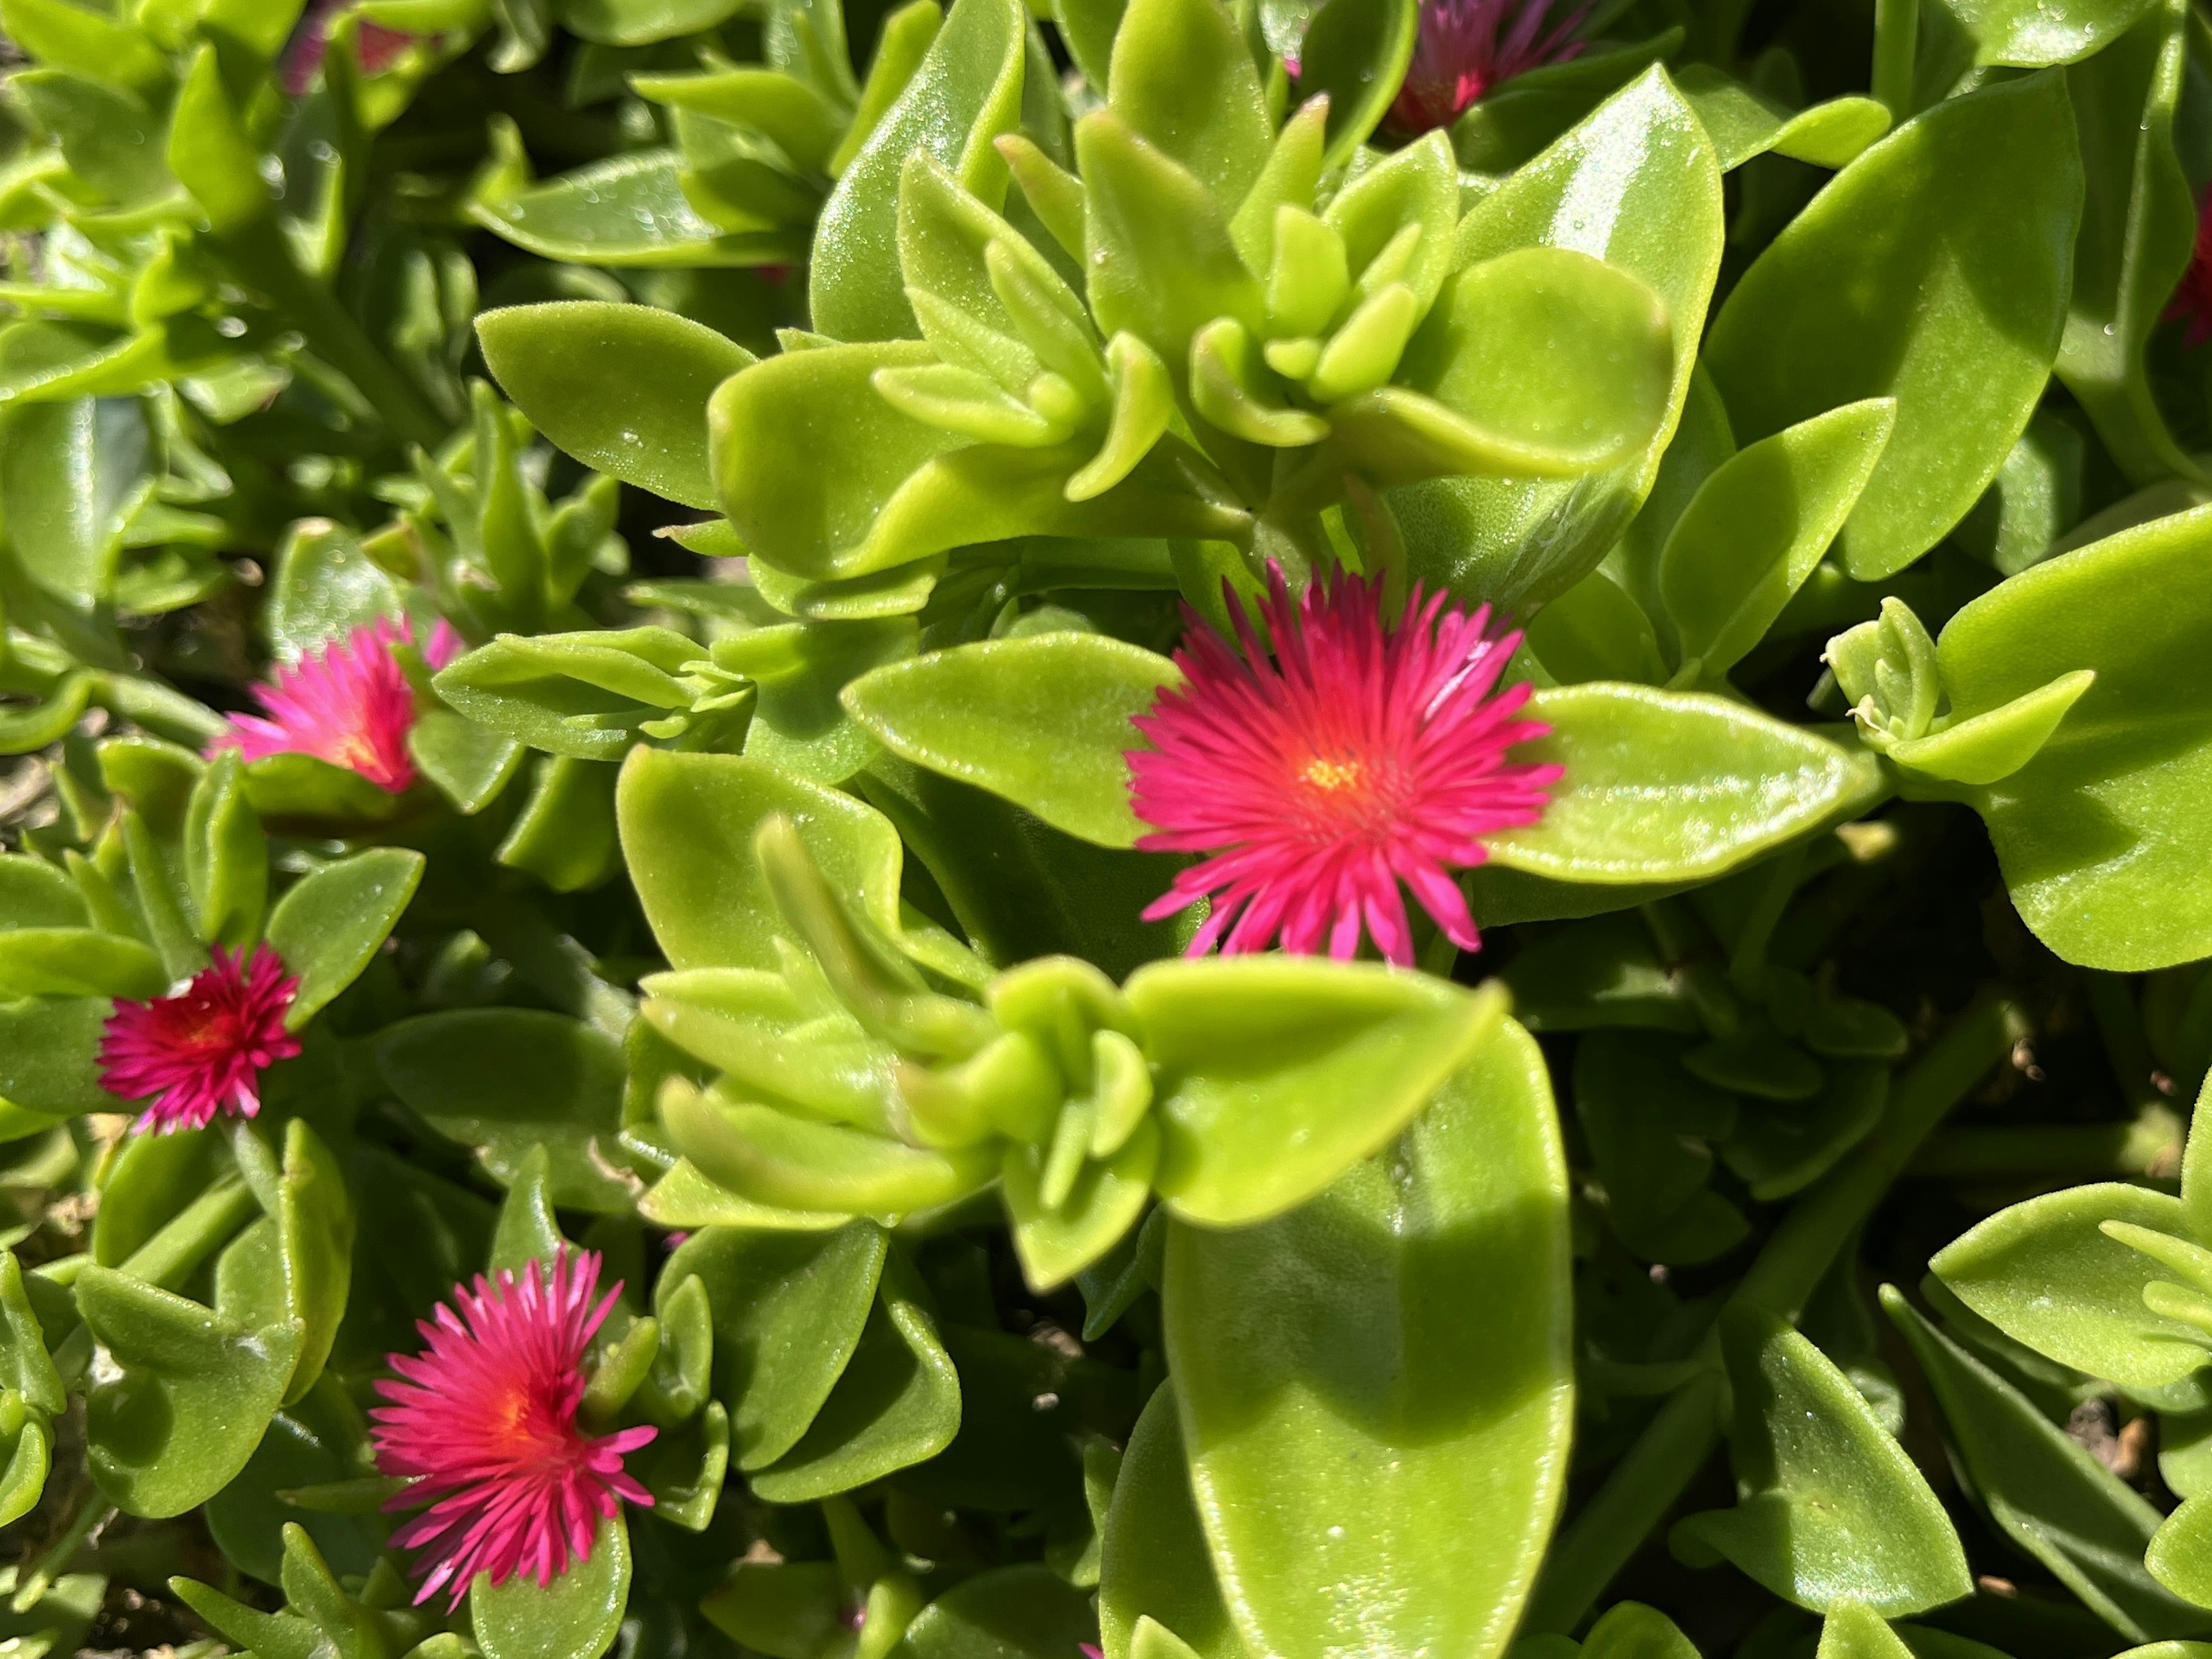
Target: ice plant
x=311, y=41
x=348, y=703
x=2192, y=296
x=1466, y=47
x=1360, y=755
x=202, y=1050
x=483, y=1423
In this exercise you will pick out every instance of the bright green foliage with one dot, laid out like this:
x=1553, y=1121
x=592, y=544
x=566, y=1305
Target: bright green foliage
x=790, y=443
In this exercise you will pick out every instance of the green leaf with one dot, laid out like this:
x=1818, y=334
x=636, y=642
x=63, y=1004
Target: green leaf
x=623, y=388
x=325, y=587
x=334, y=920
x=50, y=1055
x=69, y=37
x=2103, y=835
x=1635, y=185
x=785, y=1161
x=2139, y=217
x=322, y=1439
x=1542, y=362
x=1993, y=746
x=503, y=1081
x=689, y=824
x=1672, y=786
x=36, y=894
x=640, y=22
x=315, y=1229
x=1744, y=123
x=2044, y=1490
x=74, y=473
x=1831, y=1511
x=897, y=1404
x=192, y=1395
x=788, y=1311
x=630, y=212
x=1184, y=82
x=1356, y=52
x=1352, y=1374
x=967, y=91
x=1275, y=1074
x=577, y=1616
x=2046, y=1274
x=585, y=695
x=1042, y=721
x=2030, y=36
x=1755, y=528
x=1024, y=1612
x=1154, y=1565
x=1933, y=270
x=78, y=961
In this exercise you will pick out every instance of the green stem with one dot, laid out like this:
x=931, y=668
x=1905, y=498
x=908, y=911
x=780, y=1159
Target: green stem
x=2150, y=1146
x=1896, y=44
x=167, y=1258
x=2119, y=1025
x=1666, y=1457
x=266, y=259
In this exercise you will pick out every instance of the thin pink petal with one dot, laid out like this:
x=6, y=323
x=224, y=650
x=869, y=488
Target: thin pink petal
x=483, y=1424
x=1356, y=757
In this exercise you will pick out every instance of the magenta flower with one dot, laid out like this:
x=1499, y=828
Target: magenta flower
x=484, y=1422
x=1362, y=755
x=311, y=42
x=2192, y=296
x=348, y=703
x=202, y=1050
x=1466, y=47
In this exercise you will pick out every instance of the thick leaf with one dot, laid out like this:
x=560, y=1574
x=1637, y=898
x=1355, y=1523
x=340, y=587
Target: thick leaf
x=1934, y=269
x=1153, y=1563
x=1375, y=1389
x=2103, y=835
x=1636, y=185
x=628, y=210
x=1026, y=1612
x=2044, y=1274
x=1832, y=1512
x=191, y=1394
x=1043, y=720
x=335, y=919
x=2138, y=225
x=577, y=1616
x=622, y=388
x=2031, y=33
x=897, y=1404
x=504, y=1081
x=1276, y=1074
x=2045, y=1491
x=1671, y=785
x=967, y=91
x=788, y=1311
x=1753, y=532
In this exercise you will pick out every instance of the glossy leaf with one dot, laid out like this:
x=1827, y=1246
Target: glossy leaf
x=1342, y=1425
x=1259, y=1061
x=1043, y=721
x=577, y=1616
x=1635, y=185
x=332, y=921
x=1970, y=210
x=2099, y=835
x=2046, y=1273
x=1831, y=1510
x=561, y=361
x=1669, y=785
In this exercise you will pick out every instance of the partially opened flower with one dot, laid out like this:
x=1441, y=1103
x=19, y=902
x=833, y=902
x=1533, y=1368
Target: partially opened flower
x=348, y=703
x=2192, y=296
x=484, y=1422
x=202, y=1050
x=1358, y=756
x=311, y=41
x=1466, y=47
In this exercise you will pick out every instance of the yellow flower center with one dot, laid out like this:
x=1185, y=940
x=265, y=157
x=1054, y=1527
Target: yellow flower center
x=1331, y=775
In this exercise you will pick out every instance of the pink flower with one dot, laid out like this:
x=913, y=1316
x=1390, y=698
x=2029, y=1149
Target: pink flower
x=202, y=1050
x=484, y=1422
x=348, y=703
x=2192, y=296
x=1363, y=755
x=1466, y=47
x=311, y=41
